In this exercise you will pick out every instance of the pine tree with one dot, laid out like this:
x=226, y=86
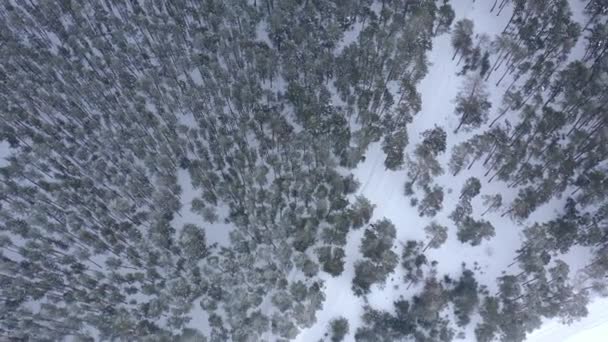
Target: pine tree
x=432, y=202
x=470, y=189
x=444, y=19
x=465, y=297
x=492, y=202
x=462, y=40
x=437, y=235
x=425, y=166
x=473, y=231
x=472, y=103
x=379, y=259
x=339, y=329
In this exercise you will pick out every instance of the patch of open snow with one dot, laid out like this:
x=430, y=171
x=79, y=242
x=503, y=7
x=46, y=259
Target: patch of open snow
x=5, y=152
x=217, y=232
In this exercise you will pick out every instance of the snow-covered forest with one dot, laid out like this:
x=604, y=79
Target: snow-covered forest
x=309, y=170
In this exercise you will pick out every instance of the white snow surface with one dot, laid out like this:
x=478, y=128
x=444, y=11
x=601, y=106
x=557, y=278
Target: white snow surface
x=384, y=188
x=593, y=328
x=4, y=153
x=217, y=232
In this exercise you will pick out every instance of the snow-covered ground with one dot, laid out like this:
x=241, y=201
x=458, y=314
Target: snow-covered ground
x=216, y=232
x=384, y=188
x=4, y=153
x=593, y=328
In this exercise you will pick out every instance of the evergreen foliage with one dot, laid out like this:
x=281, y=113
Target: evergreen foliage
x=138, y=132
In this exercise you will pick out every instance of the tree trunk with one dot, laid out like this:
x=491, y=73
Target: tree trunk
x=499, y=116
x=502, y=6
x=509, y=22
x=427, y=245
x=490, y=154
x=459, y=59
x=460, y=124
x=508, y=71
x=455, y=53
x=472, y=162
x=498, y=59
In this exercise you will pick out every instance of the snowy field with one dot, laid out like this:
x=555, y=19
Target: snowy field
x=384, y=188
